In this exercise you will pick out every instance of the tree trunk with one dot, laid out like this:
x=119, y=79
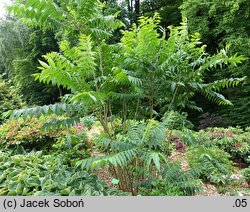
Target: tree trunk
x=137, y=8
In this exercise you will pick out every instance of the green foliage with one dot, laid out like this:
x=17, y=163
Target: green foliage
x=216, y=21
x=9, y=97
x=151, y=72
x=214, y=164
x=88, y=121
x=20, y=48
x=13, y=35
x=168, y=10
x=35, y=174
x=73, y=145
x=75, y=68
x=172, y=70
x=174, y=182
x=30, y=133
x=25, y=64
x=134, y=156
x=70, y=112
x=192, y=138
x=71, y=69
x=175, y=120
x=38, y=111
x=68, y=18
x=246, y=175
x=166, y=77
x=235, y=141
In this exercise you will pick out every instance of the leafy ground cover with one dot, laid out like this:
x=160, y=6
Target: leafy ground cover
x=144, y=159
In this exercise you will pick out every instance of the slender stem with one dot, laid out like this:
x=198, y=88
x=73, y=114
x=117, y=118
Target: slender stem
x=103, y=120
x=130, y=181
x=116, y=176
x=101, y=62
x=137, y=107
x=173, y=99
x=96, y=85
x=151, y=105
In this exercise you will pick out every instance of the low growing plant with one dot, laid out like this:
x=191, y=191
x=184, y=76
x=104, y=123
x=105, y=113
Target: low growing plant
x=233, y=140
x=213, y=164
x=35, y=174
x=31, y=134
x=174, y=182
x=246, y=174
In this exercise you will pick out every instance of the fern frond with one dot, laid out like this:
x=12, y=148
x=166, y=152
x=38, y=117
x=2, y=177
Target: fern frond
x=216, y=97
x=154, y=158
x=121, y=159
x=61, y=71
x=222, y=84
x=58, y=109
x=57, y=124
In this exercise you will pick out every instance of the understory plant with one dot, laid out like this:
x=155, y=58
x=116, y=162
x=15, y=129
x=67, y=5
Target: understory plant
x=246, y=174
x=32, y=133
x=233, y=140
x=135, y=156
x=27, y=132
x=174, y=182
x=9, y=97
x=213, y=164
x=36, y=174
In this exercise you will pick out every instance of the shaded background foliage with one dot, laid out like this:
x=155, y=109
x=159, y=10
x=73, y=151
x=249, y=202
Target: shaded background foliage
x=219, y=23
x=9, y=97
x=21, y=47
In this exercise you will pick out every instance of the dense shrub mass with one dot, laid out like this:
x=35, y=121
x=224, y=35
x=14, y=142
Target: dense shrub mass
x=235, y=141
x=213, y=164
x=31, y=132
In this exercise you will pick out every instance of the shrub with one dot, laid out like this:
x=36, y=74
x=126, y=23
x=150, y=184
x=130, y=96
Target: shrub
x=88, y=121
x=31, y=134
x=175, y=182
x=233, y=140
x=213, y=164
x=178, y=121
x=72, y=146
x=134, y=156
x=246, y=174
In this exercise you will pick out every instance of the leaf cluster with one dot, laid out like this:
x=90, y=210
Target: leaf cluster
x=35, y=174
x=213, y=164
